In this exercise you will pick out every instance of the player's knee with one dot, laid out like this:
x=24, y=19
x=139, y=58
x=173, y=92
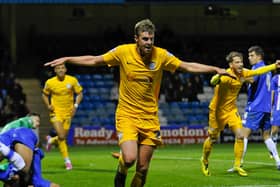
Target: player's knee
x=129, y=164
x=239, y=135
x=129, y=159
x=142, y=167
x=61, y=137
x=274, y=132
x=214, y=138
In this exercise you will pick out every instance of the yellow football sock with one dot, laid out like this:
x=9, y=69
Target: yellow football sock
x=238, y=151
x=63, y=148
x=122, y=168
x=207, y=148
x=138, y=180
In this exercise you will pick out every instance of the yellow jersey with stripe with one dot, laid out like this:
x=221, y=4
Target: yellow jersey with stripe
x=62, y=93
x=139, y=82
x=226, y=92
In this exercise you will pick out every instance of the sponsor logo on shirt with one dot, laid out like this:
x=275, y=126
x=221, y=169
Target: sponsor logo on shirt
x=139, y=78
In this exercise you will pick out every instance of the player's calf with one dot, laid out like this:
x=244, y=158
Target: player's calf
x=48, y=143
x=120, y=178
x=139, y=179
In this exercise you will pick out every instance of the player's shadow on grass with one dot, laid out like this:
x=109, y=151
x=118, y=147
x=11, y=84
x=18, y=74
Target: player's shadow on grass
x=257, y=168
x=80, y=169
x=96, y=170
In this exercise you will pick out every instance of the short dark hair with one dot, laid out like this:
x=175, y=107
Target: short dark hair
x=257, y=49
x=33, y=114
x=232, y=54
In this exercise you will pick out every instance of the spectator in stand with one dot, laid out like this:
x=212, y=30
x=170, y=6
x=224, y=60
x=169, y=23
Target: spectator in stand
x=16, y=93
x=197, y=83
x=190, y=91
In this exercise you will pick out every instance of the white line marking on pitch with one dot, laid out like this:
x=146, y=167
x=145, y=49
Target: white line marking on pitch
x=216, y=160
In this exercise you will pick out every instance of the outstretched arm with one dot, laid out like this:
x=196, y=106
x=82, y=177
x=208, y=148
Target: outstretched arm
x=78, y=60
x=263, y=69
x=194, y=67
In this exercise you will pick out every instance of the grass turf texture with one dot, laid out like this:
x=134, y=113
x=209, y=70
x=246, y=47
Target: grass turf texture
x=171, y=166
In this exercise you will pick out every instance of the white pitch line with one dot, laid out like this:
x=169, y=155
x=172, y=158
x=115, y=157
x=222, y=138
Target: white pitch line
x=223, y=160
x=216, y=160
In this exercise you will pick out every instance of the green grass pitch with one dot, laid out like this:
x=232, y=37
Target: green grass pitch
x=171, y=166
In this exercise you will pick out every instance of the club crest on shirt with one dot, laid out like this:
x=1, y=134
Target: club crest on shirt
x=152, y=65
x=68, y=86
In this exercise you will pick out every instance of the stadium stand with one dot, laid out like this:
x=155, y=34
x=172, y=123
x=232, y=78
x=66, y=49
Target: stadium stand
x=12, y=97
x=98, y=108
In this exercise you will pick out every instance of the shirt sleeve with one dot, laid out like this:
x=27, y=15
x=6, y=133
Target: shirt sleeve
x=259, y=71
x=171, y=63
x=26, y=122
x=77, y=87
x=46, y=89
x=111, y=58
x=215, y=79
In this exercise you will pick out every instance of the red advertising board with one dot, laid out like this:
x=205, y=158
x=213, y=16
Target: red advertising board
x=95, y=135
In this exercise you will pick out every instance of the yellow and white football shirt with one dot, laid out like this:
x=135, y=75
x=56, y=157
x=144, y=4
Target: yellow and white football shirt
x=62, y=93
x=227, y=90
x=140, y=82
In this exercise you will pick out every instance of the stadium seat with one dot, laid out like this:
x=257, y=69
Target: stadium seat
x=108, y=76
x=97, y=77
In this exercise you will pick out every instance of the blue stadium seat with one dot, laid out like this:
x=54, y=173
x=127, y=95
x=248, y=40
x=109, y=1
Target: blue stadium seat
x=86, y=77
x=108, y=76
x=95, y=98
x=93, y=91
x=97, y=77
